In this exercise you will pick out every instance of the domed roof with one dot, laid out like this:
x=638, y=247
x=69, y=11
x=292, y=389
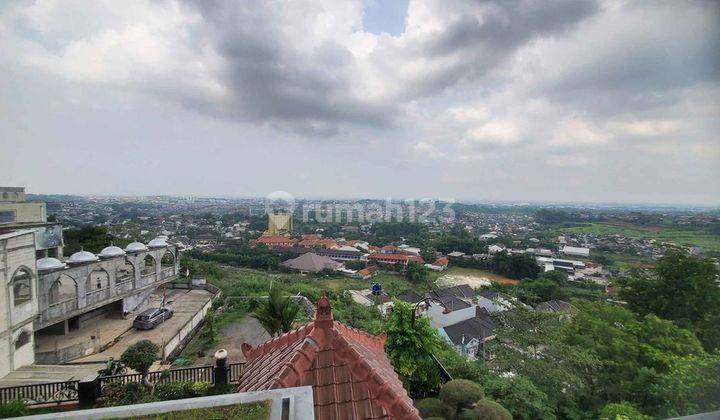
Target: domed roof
x=136, y=247
x=157, y=243
x=47, y=264
x=111, y=251
x=82, y=257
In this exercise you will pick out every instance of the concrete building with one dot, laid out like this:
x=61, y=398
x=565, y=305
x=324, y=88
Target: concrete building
x=15, y=211
x=46, y=295
x=19, y=297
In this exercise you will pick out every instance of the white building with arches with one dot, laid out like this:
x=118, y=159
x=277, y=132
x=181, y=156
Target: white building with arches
x=43, y=295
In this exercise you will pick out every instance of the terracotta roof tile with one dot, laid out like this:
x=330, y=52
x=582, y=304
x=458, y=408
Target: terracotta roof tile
x=348, y=369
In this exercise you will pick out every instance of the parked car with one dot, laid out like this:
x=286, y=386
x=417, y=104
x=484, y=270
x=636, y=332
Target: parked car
x=151, y=318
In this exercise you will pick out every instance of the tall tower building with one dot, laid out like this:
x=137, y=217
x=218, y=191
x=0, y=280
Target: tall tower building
x=279, y=223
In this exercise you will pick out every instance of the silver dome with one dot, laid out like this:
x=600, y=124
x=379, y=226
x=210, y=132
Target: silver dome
x=82, y=257
x=111, y=251
x=48, y=263
x=157, y=243
x=136, y=247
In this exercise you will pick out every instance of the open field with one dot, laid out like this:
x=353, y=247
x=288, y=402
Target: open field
x=472, y=276
x=680, y=235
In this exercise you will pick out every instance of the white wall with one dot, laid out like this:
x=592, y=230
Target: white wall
x=439, y=320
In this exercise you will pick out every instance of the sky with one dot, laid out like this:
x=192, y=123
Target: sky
x=547, y=100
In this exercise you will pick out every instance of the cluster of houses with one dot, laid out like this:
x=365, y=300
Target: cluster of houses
x=314, y=254
x=460, y=314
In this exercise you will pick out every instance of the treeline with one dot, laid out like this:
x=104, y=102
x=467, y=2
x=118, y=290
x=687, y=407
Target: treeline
x=514, y=266
x=243, y=256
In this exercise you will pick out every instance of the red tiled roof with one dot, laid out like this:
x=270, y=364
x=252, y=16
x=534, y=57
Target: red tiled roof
x=390, y=248
x=396, y=258
x=442, y=262
x=348, y=369
x=275, y=240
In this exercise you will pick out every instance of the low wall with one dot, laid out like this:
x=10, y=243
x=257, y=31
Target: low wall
x=67, y=354
x=176, y=344
x=287, y=403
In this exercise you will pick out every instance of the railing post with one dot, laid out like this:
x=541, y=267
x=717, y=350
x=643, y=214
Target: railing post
x=221, y=373
x=89, y=390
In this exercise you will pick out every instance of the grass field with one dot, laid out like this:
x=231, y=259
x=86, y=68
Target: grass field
x=680, y=235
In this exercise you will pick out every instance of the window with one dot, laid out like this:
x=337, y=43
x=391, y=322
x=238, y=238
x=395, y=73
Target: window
x=7, y=216
x=22, y=287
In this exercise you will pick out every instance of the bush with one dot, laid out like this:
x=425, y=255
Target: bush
x=173, y=390
x=200, y=389
x=176, y=390
x=140, y=356
x=486, y=410
x=461, y=393
x=14, y=408
x=117, y=393
x=621, y=411
x=432, y=407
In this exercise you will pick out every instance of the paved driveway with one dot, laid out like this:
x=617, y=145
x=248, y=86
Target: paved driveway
x=185, y=304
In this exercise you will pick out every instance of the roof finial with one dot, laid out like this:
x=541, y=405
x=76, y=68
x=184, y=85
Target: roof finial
x=323, y=314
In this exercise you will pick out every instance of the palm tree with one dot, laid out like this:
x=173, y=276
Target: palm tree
x=277, y=313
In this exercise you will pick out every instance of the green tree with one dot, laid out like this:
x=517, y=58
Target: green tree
x=541, y=290
x=410, y=348
x=277, y=313
x=139, y=357
x=528, y=343
x=416, y=272
x=459, y=394
x=622, y=411
x=487, y=410
x=692, y=385
x=518, y=393
x=633, y=354
x=680, y=288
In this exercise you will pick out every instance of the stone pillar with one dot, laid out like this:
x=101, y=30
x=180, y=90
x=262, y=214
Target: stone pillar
x=89, y=391
x=222, y=371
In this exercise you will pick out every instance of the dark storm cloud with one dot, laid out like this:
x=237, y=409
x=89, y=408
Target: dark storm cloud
x=506, y=25
x=643, y=62
x=272, y=82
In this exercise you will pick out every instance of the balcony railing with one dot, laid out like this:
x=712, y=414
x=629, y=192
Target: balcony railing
x=58, y=309
x=97, y=296
x=124, y=286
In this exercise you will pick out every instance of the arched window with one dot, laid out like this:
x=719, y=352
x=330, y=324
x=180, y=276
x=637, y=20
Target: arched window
x=21, y=286
x=63, y=289
x=125, y=273
x=168, y=260
x=148, y=265
x=97, y=280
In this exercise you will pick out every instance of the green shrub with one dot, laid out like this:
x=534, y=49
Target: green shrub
x=140, y=356
x=432, y=407
x=174, y=390
x=621, y=411
x=117, y=393
x=200, y=389
x=461, y=393
x=14, y=408
x=486, y=410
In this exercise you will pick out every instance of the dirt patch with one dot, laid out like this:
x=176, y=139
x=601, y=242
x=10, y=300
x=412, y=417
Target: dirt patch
x=475, y=281
x=232, y=336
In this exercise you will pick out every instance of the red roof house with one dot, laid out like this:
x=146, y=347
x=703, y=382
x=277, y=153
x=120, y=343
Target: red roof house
x=275, y=241
x=395, y=258
x=348, y=369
